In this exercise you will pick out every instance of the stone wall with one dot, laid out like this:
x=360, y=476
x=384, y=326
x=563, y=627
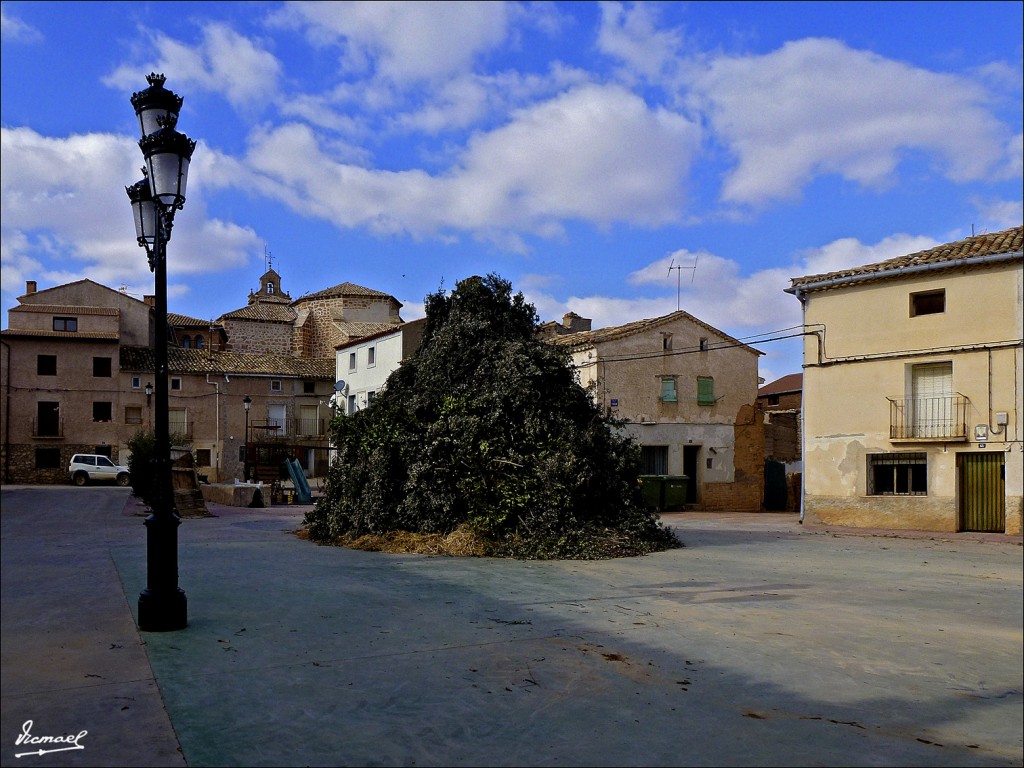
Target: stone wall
x=260, y=337
x=22, y=463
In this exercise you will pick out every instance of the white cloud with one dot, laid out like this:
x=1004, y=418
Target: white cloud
x=405, y=42
x=14, y=30
x=225, y=62
x=998, y=214
x=64, y=203
x=746, y=306
x=596, y=154
x=630, y=33
x=816, y=106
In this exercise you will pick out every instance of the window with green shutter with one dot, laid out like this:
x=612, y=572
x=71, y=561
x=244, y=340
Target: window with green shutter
x=668, y=390
x=705, y=390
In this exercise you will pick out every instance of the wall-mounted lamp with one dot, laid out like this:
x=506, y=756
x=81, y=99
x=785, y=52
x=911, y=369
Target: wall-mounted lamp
x=149, y=393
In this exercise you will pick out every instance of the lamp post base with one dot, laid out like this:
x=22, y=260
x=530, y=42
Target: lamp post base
x=164, y=612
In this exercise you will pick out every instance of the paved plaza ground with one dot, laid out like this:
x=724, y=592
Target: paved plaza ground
x=761, y=642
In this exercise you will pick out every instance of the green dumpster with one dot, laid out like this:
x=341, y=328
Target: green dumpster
x=653, y=489
x=674, y=494
x=664, y=492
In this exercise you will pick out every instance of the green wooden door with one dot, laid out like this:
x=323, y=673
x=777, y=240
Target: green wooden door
x=982, y=494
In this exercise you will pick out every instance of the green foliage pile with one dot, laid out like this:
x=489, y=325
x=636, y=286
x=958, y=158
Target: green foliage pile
x=486, y=428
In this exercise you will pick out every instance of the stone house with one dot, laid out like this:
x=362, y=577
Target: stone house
x=780, y=401
x=687, y=394
x=912, y=389
x=76, y=360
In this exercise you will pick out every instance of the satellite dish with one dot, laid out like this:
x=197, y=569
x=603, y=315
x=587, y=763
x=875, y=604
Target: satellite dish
x=340, y=385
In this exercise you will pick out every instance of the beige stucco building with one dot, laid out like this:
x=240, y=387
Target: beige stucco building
x=913, y=375
x=686, y=392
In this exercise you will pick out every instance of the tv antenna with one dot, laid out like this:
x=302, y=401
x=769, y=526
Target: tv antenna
x=679, y=269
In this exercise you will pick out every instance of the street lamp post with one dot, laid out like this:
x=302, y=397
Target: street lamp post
x=163, y=606
x=246, y=403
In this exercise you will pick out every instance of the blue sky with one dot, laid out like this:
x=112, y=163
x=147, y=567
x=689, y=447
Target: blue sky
x=577, y=149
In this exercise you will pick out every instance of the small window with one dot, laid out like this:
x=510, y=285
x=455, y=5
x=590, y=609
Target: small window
x=654, y=459
x=176, y=383
x=102, y=411
x=705, y=390
x=703, y=343
x=351, y=361
x=710, y=463
x=136, y=382
x=270, y=287
x=309, y=387
x=370, y=397
x=66, y=324
x=371, y=356
x=202, y=457
x=897, y=474
x=199, y=342
x=668, y=391
x=101, y=367
x=133, y=414
x=351, y=404
x=186, y=342
x=773, y=399
x=666, y=342
x=46, y=365
x=927, y=303
x=275, y=385
x=48, y=458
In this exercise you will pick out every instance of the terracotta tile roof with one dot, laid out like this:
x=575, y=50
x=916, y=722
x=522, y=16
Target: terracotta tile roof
x=412, y=325
x=181, y=321
x=199, y=361
x=590, y=338
x=344, y=289
x=951, y=255
x=263, y=312
x=65, y=309
x=358, y=330
x=72, y=335
x=792, y=382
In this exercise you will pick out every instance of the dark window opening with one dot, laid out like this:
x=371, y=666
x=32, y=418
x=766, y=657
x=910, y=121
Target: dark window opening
x=68, y=324
x=202, y=457
x=101, y=367
x=654, y=459
x=309, y=387
x=48, y=458
x=104, y=450
x=101, y=411
x=927, y=303
x=897, y=474
x=46, y=365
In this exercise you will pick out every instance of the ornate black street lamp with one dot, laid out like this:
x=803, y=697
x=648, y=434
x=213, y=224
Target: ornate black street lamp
x=155, y=198
x=246, y=403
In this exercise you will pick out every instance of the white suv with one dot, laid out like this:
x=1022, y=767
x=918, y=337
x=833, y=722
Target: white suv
x=89, y=466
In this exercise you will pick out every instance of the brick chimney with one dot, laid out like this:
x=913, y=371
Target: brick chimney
x=149, y=301
x=30, y=286
x=573, y=323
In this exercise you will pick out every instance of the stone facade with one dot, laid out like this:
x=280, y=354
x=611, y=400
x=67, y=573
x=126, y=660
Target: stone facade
x=76, y=360
x=686, y=392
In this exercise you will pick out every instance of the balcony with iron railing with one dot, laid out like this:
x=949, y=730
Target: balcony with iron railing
x=928, y=419
x=310, y=427
x=52, y=428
